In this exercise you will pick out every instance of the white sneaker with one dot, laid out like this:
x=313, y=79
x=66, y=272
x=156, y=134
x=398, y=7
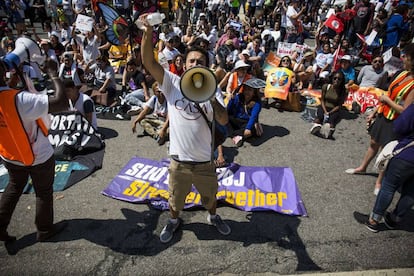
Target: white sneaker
x=325, y=130
x=135, y=110
x=315, y=129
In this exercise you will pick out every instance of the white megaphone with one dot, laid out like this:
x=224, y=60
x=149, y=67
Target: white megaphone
x=198, y=84
x=25, y=49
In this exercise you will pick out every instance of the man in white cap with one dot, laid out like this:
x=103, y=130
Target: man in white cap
x=348, y=70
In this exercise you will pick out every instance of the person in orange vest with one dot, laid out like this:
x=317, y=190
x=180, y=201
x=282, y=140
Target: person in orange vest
x=237, y=78
x=399, y=96
x=26, y=151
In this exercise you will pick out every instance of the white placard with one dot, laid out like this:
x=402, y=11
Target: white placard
x=84, y=23
x=371, y=37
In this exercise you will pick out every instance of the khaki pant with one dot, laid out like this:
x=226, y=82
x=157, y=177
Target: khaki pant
x=152, y=125
x=183, y=175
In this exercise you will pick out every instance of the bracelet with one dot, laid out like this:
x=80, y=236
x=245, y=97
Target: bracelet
x=55, y=78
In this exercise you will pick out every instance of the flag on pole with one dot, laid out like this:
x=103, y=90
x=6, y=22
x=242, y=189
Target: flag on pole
x=334, y=23
x=337, y=57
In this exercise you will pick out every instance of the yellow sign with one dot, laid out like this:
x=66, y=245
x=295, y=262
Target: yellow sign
x=278, y=82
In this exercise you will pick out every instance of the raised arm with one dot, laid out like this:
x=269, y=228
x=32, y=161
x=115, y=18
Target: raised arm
x=147, y=51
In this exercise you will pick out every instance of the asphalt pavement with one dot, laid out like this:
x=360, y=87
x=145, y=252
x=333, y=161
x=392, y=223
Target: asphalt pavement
x=105, y=236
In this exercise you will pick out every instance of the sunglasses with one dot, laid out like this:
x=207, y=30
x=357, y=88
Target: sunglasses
x=285, y=60
x=377, y=61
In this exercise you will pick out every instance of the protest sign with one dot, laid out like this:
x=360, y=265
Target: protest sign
x=84, y=23
x=278, y=83
x=246, y=188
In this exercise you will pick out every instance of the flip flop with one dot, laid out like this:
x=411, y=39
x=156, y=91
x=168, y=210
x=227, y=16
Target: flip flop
x=353, y=171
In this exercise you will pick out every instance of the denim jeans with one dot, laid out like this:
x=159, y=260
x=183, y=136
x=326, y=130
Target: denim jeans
x=136, y=97
x=399, y=173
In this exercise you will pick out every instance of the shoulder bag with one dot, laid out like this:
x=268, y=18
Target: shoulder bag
x=387, y=153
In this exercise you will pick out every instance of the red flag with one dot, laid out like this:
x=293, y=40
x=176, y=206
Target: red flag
x=334, y=23
x=337, y=57
x=346, y=15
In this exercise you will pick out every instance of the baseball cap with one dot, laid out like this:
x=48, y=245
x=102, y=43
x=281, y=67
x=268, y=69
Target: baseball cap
x=346, y=57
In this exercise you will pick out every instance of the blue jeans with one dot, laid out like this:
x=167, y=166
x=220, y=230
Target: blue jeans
x=399, y=173
x=136, y=97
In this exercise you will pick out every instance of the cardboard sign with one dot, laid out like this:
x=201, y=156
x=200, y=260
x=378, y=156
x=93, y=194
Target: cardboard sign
x=84, y=23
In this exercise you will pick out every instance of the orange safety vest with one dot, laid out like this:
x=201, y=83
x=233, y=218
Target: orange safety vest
x=399, y=90
x=235, y=83
x=14, y=141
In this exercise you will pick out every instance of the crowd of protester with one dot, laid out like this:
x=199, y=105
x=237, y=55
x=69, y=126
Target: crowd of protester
x=365, y=47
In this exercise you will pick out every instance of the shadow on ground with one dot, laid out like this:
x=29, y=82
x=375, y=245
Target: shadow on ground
x=268, y=133
x=138, y=233
x=135, y=235
x=107, y=133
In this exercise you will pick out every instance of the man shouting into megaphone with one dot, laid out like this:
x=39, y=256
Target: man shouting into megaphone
x=190, y=135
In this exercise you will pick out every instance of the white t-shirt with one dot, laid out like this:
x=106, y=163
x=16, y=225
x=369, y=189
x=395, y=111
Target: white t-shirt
x=102, y=74
x=90, y=52
x=79, y=106
x=190, y=136
x=31, y=107
x=170, y=54
x=157, y=108
x=322, y=59
x=289, y=13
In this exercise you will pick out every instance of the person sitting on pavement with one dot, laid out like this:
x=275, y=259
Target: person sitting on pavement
x=244, y=110
x=285, y=62
x=117, y=57
x=329, y=111
x=136, y=93
x=81, y=102
x=305, y=72
x=348, y=70
x=154, y=117
x=238, y=77
x=323, y=63
x=373, y=75
x=68, y=69
x=177, y=65
x=104, y=81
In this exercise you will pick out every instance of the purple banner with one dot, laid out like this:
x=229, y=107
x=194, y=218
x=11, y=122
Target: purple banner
x=246, y=188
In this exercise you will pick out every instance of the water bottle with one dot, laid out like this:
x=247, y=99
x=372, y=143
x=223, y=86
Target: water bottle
x=325, y=118
x=153, y=19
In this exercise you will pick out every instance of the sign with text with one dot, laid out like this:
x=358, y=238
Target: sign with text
x=246, y=188
x=84, y=23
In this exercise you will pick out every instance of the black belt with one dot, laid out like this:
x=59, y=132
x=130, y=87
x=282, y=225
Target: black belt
x=188, y=162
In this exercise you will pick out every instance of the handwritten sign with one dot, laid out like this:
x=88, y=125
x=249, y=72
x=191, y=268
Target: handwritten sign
x=84, y=23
